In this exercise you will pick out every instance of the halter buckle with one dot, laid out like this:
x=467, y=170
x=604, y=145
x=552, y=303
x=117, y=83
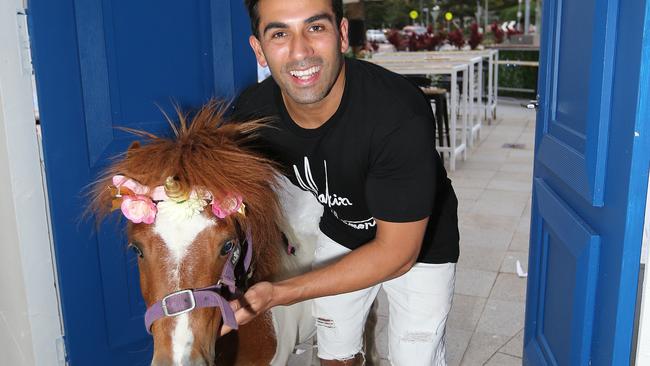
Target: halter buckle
x=181, y=302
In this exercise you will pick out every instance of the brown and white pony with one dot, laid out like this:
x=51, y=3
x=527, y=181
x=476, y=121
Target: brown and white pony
x=204, y=216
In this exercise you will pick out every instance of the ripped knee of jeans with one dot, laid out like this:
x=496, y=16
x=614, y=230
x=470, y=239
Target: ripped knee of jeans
x=418, y=337
x=327, y=323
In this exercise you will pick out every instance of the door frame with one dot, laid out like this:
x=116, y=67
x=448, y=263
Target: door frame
x=27, y=189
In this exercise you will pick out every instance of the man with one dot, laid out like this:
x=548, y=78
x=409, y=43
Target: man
x=361, y=139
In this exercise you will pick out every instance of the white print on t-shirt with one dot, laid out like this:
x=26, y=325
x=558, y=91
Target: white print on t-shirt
x=361, y=225
x=327, y=199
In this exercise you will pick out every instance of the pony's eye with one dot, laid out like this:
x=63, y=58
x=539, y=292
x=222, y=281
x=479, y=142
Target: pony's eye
x=136, y=249
x=227, y=247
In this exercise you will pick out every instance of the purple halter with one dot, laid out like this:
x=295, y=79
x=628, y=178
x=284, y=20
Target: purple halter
x=184, y=301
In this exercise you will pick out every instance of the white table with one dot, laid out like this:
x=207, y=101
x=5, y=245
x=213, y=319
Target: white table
x=456, y=148
x=490, y=55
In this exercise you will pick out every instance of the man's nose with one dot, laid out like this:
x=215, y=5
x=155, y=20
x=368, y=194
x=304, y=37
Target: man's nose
x=300, y=47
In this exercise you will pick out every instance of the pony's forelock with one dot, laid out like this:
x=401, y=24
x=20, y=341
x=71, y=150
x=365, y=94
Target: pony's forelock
x=207, y=153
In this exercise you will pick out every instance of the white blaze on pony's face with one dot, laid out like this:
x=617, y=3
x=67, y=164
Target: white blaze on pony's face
x=182, y=341
x=178, y=234
x=181, y=251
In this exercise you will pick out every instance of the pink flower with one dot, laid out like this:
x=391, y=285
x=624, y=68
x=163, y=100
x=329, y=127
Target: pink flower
x=139, y=209
x=230, y=204
x=133, y=185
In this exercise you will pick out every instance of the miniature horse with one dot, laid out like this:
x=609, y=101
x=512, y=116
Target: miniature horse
x=203, y=217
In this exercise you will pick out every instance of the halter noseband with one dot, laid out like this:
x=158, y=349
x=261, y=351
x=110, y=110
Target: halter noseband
x=184, y=301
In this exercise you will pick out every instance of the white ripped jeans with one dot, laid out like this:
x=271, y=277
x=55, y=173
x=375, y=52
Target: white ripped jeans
x=419, y=302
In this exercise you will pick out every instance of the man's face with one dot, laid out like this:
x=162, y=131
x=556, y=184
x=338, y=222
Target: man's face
x=302, y=45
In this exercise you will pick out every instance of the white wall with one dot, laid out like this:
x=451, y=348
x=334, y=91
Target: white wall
x=29, y=315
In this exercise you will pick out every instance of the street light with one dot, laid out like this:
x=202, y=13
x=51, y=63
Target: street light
x=527, y=17
x=486, y=17
x=519, y=15
x=449, y=16
x=435, y=11
x=421, y=8
x=425, y=14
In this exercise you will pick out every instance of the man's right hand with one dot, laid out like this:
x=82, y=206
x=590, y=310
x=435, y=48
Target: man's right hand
x=257, y=300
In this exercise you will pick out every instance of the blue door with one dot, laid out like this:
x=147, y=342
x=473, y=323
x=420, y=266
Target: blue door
x=590, y=182
x=100, y=64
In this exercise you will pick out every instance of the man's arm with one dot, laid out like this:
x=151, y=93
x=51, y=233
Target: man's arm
x=392, y=252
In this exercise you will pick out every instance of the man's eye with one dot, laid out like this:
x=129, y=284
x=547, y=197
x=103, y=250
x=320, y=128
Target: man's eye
x=316, y=28
x=278, y=35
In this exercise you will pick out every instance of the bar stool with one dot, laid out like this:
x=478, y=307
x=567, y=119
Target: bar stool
x=439, y=97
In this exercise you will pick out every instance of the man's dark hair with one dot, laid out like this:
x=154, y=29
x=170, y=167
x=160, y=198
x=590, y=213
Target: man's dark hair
x=251, y=5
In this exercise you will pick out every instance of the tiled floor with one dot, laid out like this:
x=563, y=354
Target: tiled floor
x=485, y=326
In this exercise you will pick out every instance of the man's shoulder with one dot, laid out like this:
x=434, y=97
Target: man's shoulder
x=256, y=101
x=387, y=90
x=382, y=78
x=388, y=100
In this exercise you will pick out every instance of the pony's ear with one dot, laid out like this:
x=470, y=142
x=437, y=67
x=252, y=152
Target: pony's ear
x=134, y=145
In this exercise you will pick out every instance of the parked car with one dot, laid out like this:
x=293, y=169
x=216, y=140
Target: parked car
x=414, y=29
x=376, y=35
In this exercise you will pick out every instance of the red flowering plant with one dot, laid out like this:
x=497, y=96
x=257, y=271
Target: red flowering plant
x=456, y=38
x=497, y=32
x=475, y=37
x=433, y=41
x=397, y=39
x=513, y=32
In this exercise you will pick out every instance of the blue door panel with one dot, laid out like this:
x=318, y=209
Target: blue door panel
x=579, y=66
x=100, y=65
x=571, y=98
x=554, y=313
x=130, y=63
x=120, y=288
x=533, y=354
x=570, y=254
x=592, y=158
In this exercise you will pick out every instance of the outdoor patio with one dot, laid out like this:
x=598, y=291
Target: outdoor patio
x=485, y=326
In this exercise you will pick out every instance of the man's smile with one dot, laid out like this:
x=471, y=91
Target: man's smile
x=306, y=76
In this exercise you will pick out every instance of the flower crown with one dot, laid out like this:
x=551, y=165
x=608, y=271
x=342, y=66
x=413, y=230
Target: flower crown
x=140, y=204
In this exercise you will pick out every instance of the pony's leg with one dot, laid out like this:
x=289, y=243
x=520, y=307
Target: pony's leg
x=293, y=325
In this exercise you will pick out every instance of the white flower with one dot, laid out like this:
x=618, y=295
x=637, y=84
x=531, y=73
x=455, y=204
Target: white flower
x=182, y=210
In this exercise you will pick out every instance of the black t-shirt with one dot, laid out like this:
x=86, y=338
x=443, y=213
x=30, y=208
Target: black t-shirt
x=373, y=159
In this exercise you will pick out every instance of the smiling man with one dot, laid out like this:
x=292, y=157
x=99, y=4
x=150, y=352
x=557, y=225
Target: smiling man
x=361, y=139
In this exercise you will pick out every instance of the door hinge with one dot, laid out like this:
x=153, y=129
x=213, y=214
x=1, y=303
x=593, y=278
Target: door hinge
x=61, y=354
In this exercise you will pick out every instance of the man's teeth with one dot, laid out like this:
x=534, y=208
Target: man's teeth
x=306, y=74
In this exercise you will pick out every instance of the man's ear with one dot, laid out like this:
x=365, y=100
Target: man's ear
x=257, y=48
x=343, y=30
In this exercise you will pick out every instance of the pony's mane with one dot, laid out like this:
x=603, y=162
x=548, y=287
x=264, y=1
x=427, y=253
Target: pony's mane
x=207, y=153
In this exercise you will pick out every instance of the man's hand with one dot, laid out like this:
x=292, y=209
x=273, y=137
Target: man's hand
x=257, y=300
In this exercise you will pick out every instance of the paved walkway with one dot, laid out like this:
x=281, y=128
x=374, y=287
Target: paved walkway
x=485, y=326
